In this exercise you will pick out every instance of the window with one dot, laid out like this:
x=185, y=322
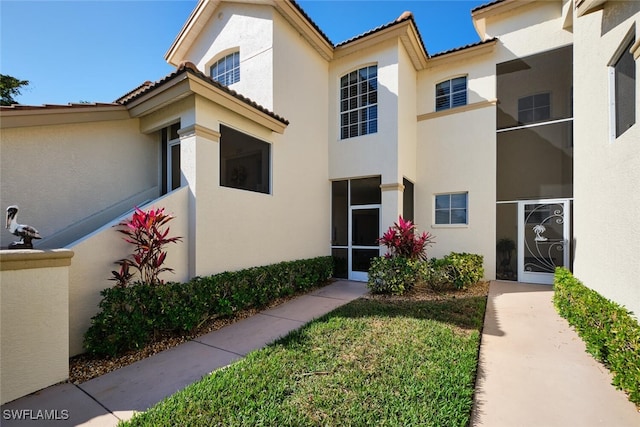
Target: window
x=244, y=161
x=359, y=102
x=623, y=91
x=534, y=108
x=226, y=71
x=408, y=200
x=171, y=172
x=451, y=208
x=451, y=93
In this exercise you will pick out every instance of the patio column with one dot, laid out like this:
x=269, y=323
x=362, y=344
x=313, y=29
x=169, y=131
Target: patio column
x=391, y=203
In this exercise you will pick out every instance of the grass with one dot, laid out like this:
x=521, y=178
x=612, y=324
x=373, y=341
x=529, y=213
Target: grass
x=370, y=362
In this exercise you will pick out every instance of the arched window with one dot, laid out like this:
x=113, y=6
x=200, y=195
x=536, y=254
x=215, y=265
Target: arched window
x=451, y=93
x=359, y=102
x=226, y=71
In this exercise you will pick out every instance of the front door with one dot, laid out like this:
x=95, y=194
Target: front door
x=365, y=230
x=543, y=243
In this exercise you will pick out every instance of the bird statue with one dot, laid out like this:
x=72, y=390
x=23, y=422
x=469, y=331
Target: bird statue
x=26, y=232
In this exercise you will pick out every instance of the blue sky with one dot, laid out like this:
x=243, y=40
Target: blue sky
x=96, y=51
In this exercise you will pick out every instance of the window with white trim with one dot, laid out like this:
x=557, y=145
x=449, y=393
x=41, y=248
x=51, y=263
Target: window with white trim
x=622, y=72
x=171, y=172
x=451, y=208
x=534, y=108
x=226, y=71
x=451, y=93
x=359, y=102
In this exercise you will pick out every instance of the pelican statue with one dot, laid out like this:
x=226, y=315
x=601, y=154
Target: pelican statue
x=26, y=232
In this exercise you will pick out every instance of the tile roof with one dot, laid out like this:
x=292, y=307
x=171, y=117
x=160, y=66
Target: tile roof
x=313, y=24
x=189, y=67
x=484, y=6
x=445, y=52
x=406, y=16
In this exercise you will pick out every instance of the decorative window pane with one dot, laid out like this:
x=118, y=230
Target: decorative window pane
x=227, y=70
x=624, y=92
x=451, y=93
x=244, y=161
x=359, y=102
x=534, y=108
x=451, y=208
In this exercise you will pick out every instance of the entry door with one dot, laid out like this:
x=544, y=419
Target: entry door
x=173, y=165
x=365, y=230
x=543, y=243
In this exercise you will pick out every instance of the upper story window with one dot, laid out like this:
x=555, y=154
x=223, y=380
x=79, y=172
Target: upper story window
x=451, y=93
x=534, y=108
x=226, y=71
x=622, y=72
x=359, y=102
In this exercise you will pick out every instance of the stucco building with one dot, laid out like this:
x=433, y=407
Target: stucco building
x=270, y=143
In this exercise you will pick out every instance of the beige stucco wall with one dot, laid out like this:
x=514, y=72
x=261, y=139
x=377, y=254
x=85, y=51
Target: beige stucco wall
x=529, y=29
x=34, y=315
x=606, y=173
x=456, y=152
x=248, y=28
x=407, y=113
x=374, y=154
x=96, y=254
x=61, y=174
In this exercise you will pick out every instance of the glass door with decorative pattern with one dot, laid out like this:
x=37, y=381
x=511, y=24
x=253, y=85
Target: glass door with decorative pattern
x=543, y=243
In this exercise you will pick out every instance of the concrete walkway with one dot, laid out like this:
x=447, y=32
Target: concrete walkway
x=534, y=370
x=105, y=400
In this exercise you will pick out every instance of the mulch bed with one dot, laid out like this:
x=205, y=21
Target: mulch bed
x=85, y=366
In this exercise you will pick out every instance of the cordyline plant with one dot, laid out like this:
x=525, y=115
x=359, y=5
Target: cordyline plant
x=145, y=230
x=402, y=240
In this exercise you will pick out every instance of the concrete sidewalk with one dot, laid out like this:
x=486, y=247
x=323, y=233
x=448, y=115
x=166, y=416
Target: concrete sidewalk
x=105, y=400
x=534, y=370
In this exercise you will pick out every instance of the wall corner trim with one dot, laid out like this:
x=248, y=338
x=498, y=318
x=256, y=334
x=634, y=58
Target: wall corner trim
x=635, y=50
x=396, y=186
x=461, y=109
x=199, y=130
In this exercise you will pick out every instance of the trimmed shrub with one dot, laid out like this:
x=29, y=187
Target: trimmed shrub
x=393, y=275
x=456, y=270
x=609, y=331
x=130, y=317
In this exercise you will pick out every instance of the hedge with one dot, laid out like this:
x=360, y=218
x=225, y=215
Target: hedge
x=610, y=332
x=130, y=317
x=458, y=270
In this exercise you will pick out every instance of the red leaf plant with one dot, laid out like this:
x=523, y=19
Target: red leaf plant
x=145, y=230
x=401, y=239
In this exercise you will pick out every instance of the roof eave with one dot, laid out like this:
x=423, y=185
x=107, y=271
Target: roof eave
x=482, y=48
x=301, y=23
x=190, y=30
x=60, y=115
x=206, y=8
x=584, y=7
x=405, y=31
x=186, y=84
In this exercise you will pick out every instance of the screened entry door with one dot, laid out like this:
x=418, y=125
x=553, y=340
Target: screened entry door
x=543, y=243
x=365, y=229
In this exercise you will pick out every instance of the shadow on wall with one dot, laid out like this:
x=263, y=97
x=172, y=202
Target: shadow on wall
x=616, y=13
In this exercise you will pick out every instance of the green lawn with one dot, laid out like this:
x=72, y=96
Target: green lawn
x=370, y=362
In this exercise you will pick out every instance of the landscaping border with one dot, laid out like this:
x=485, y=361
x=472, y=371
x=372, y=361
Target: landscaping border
x=611, y=333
